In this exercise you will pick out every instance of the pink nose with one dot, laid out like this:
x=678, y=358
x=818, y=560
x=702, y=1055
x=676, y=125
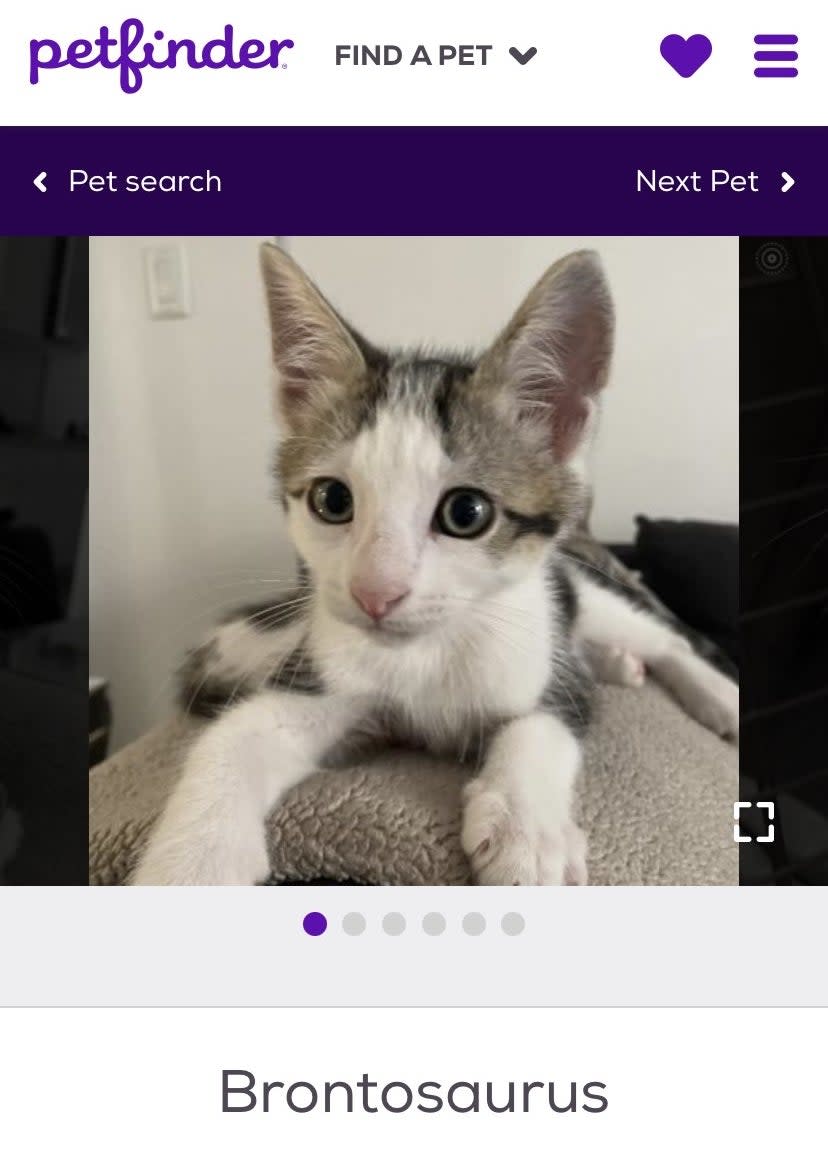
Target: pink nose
x=377, y=604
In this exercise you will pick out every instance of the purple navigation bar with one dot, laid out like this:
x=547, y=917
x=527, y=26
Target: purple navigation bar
x=414, y=180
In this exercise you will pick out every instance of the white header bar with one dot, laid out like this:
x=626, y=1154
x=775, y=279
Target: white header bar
x=370, y=62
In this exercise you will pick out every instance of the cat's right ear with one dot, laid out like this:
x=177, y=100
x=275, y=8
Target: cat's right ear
x=551, y=362
x=315, y=356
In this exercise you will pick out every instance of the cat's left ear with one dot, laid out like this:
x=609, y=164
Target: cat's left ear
x=317, y=356
x=553, y=358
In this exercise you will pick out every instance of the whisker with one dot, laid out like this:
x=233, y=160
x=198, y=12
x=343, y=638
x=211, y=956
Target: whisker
x=604, y=575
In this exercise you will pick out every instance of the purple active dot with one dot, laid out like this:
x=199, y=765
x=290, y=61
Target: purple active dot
x=314, y=923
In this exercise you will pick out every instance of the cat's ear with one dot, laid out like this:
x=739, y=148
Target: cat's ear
x=315, y=354
x=553, y=358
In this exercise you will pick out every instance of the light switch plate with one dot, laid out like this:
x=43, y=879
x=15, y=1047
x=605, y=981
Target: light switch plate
x=168, y=281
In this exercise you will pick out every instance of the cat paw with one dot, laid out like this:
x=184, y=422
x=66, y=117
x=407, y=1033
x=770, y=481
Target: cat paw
x=705, y=693
x=508, y=849
x=191, y=863
x=719, y=711
x=630, y=670
x=616, y=666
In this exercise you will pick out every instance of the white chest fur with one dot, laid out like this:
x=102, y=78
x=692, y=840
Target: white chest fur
x=490, y=663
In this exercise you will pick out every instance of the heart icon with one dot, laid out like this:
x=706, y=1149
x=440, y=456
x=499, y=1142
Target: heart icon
x=686, y=56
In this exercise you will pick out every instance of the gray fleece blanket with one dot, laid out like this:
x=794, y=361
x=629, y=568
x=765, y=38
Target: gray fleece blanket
x=656, y=800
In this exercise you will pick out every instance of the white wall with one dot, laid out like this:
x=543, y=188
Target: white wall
x=180, y=443
x=181, y=521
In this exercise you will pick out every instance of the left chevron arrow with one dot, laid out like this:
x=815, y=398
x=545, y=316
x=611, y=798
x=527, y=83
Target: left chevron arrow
x=40, y=181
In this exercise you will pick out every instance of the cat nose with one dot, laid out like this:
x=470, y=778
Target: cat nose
x=378, y=603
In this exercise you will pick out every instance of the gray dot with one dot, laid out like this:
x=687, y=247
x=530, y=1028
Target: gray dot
x=354, y=923
x=474, y=923
x=393, y=923
x=513, y=923
x=434, y=923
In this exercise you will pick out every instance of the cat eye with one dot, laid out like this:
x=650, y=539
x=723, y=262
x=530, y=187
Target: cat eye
x=331, y=500
x=464, y=513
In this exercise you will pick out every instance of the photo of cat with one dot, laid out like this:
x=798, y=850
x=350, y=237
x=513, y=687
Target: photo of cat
x=450, y=598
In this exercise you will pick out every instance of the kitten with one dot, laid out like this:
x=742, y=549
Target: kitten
x=432, y=501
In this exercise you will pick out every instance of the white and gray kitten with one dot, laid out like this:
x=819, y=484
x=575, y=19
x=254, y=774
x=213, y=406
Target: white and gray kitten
x=436, y=504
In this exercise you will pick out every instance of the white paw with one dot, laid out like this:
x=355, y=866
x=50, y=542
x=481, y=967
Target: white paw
x=616, y=666
x=630, y=669
x=508, y=848
x=188, y=861
x=705, y=693
x=718, y=710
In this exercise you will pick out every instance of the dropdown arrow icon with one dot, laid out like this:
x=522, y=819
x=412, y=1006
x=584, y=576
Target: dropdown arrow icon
x=787, y=181
x=40, y=181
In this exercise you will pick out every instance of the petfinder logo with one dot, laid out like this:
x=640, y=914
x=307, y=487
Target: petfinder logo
x=130, y=51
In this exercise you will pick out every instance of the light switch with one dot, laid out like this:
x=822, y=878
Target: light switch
x=168, y=281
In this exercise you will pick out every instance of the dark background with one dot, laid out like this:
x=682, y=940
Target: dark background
x=43, y=559
x=784, y=555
